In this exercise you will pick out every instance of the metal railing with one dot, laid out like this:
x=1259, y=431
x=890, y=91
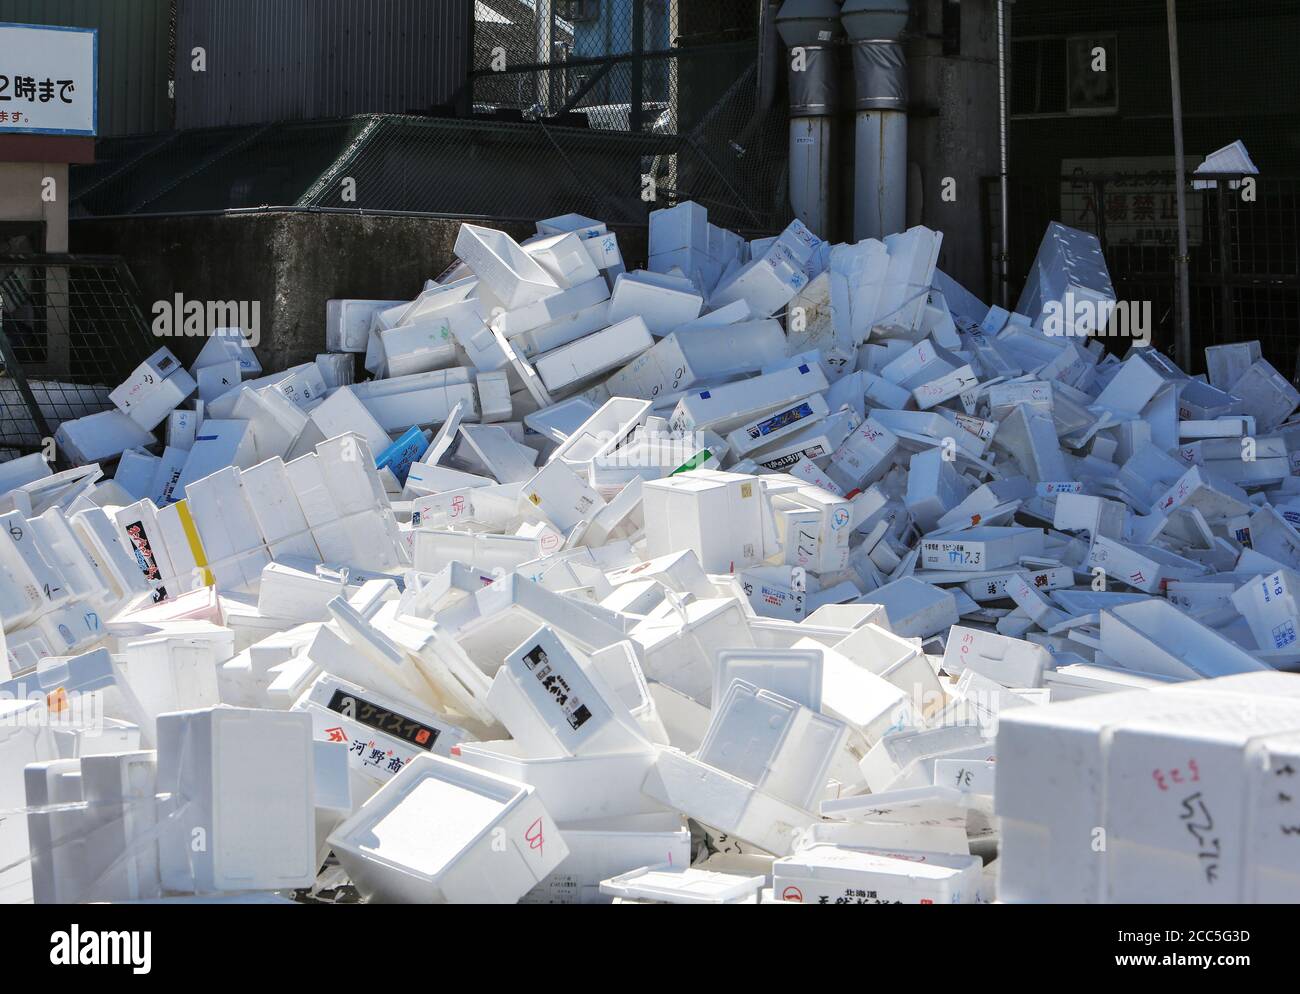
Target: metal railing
x=70, y=331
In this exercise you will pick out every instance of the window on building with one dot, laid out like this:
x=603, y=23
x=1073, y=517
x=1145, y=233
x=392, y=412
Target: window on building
x=578, y=10
x=1064, y=76
x=1093, y=75
x=1038, y=76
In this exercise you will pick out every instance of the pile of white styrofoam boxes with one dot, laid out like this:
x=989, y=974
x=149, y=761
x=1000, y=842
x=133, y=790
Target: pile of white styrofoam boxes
x=735, y=579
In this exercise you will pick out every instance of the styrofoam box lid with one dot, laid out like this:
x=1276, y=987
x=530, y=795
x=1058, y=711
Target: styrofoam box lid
x=685, y=885
x=795, y=674
x=429, y=814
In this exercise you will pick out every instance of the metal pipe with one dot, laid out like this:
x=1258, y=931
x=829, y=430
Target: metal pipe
x=811, y=29
x=880, y=192
x=1005, y=261
x=1184, y=344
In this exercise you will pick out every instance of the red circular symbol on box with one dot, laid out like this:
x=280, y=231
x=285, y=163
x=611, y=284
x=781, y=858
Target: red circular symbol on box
x=792, y=894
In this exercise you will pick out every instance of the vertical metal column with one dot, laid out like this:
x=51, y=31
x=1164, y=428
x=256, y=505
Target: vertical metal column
x=1184, y=345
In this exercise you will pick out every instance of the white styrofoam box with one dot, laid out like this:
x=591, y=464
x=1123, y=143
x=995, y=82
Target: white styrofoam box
x=674, y=884
x=503, y=266
x=54, y=828
x=495, y=451
x=1228, y=363
x=381, y=735
x=717, y=515
x=795, y=674
x=1069, y=262
x=24, y=740
x=585, y=227
x=275, y=506
x=783, y=748
x=575, y=789
x=420, y=347
x=135, y=472
x=218, y=444
x=435, y=550
x=560, y=308
x=864, y=456
x=686, y=357
x=100, y=437
x=561, y=497
x=551, y=705
x=170, y=673
x=934, y=486
x=1269, y=605
x=680, y=571
x=564, y=257
x=1186, y=786
x=81, y=572
x=118, y=827
x=663, y=302
x=561, y=331
x=101, y=538
x=242, y=779
x=231, y=539
x=514, y=607
x=1266, y=395
x=1011, y=662
x=23, y=470
x=1214, y=498
x=156, y=388
x=578, y=362
x=598, y=853
x=342, y=412
x=685, y=226
x=832, y=874
x=725, y=803
x=766, y=284
x=770, y=429
x=916, y=608
x=1153, y=636
x=725, y=408
x=895, y=660
x=1143, y=567
x=495, y=404
x=869, y=704
x=980, y=549
x=336, y=369
x=601, y=431
x=218, y=380
x=347, y=322
x=1049, y=824
x=299, y=591
x=435, y=834
x=679, y=648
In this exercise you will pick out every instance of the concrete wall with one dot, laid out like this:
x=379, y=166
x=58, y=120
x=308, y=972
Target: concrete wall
x=21, y=188
x=289, y=264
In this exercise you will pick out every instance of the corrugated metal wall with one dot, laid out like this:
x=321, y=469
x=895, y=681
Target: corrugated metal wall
x=134, y=52
x=282, y=60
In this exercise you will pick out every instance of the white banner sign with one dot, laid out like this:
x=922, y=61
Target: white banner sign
x=48, y=80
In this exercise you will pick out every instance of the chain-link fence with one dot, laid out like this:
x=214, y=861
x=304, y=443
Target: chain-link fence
x=1244, y=251
x=70, y=330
